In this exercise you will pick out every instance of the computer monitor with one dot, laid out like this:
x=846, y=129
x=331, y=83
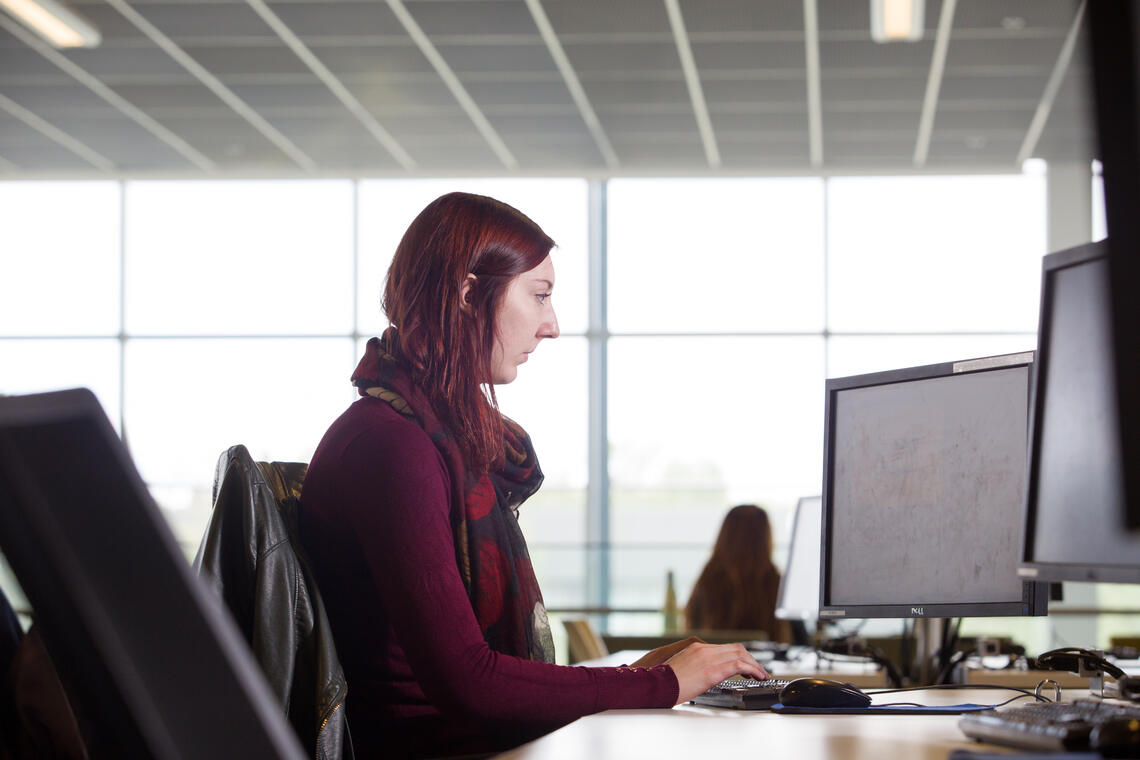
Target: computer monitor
x=152, y=663
x=1114, y=37
x=924, y=472
x=1075, y=504
x=798, y=598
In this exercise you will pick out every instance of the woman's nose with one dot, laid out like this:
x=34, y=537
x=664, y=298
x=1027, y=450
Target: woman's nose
x=549, y=328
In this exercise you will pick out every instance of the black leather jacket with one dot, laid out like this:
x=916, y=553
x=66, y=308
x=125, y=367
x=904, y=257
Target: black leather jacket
x=250, y=557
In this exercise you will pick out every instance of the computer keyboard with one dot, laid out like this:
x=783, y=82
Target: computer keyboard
x=743, y=694
x=1056, y=726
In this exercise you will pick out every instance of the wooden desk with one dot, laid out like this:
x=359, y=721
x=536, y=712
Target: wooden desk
x=689, y=731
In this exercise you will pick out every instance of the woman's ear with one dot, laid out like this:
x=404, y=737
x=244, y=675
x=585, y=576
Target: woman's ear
x=465, y=293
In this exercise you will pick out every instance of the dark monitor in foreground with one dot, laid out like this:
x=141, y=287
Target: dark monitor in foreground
x=152, y=663
x=924, y=472
x=1114, y=28
x=799, y=586
x=1075, y=505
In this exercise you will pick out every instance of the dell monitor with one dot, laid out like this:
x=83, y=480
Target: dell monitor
x=1075, y=494
x=152, y=664
x=799, y=586
x=924, y=472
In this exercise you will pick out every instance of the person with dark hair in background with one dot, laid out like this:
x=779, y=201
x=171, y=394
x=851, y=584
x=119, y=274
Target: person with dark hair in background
x=738, y=587
x=409, y=511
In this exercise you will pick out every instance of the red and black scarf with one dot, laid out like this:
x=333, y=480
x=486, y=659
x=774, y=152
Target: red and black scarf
x=489, y=546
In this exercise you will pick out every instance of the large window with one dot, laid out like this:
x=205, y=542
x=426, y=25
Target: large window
x=205, y=314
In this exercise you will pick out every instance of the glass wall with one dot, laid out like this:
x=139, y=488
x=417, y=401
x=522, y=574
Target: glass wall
x=206, y=314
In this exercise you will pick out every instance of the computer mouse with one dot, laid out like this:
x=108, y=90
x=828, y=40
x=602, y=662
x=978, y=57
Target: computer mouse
x=1117, y=738
x=821, y=692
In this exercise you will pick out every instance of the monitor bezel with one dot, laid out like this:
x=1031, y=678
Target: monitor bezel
x=1028, y=567
x=1034, y=595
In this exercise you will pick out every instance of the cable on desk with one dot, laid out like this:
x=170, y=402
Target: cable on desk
x=1023, y=692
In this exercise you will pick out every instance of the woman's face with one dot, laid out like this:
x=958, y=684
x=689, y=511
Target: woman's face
x=525, y=317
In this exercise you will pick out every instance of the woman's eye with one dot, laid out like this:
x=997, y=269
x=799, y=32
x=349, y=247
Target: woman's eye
x=542, y=297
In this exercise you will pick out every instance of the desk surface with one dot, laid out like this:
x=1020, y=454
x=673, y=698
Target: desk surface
x=689, y=731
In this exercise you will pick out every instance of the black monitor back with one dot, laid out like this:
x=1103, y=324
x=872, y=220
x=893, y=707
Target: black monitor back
x=1075, y=491
x=152, y=663
x=1115, y=52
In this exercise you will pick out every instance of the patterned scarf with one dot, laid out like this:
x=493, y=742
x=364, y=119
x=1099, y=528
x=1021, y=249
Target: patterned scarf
x=489, y=547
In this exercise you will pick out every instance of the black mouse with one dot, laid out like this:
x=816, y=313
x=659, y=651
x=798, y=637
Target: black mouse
x=820, y=692
x=1119, y=737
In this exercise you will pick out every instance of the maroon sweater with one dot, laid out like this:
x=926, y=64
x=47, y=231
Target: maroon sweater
x=421, y=680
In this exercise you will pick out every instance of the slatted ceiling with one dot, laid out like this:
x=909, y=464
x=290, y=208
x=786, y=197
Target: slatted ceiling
x=347, y=58
x=473, y=17
x=990, y=15
x=993, y=151
x=60, y=100
x=744, y=14
x=224, y=62
x=583, y=154
x=749, y=55
x=1032, y=53
x=766, y=93
x=322, y=22
x=109, y=61
x=112, y=26
x=609, y=93
x=123, y=143
x=606, y=16
x=618, y=59
x=844, y=15
x=497, y=58
x=189, y=19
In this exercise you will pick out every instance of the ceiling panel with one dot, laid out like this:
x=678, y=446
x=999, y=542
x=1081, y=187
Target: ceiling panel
x=472, y=17
x=312, y=21
x=530, y=56
x=387, y=58
x=609, y=57
x=606, y=16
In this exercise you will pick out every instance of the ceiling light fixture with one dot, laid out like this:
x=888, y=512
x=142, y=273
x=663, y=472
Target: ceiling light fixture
x=54, y=21
x=896, y=20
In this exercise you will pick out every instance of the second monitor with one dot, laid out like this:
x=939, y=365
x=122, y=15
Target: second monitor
x=924, y=476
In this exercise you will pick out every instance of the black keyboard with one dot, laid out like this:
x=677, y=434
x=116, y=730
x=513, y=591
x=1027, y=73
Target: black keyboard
x=1055, y=726
x=743, y=694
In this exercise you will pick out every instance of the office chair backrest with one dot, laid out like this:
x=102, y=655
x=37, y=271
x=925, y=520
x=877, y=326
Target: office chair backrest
x=250, y=556
x=583, y=641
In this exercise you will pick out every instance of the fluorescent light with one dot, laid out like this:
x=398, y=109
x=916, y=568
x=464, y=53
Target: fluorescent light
x=896, y=20
x=54, y=22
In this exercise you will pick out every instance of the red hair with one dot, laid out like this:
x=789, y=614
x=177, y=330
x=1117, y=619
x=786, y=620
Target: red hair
x=444, y=337
x=737, y=589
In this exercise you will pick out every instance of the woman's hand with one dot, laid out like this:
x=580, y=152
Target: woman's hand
x=699, y=666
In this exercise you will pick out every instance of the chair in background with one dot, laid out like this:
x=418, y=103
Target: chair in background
x=584, y=642
x=250, y=556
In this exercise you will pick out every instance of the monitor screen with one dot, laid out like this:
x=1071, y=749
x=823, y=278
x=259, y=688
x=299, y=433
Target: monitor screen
x=1075, y=504
x=799, y=586
x=923, y=484
x=152, y=663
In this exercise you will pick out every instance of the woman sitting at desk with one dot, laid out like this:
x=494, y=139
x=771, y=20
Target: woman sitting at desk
x=737, y=590
x=409, y=511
